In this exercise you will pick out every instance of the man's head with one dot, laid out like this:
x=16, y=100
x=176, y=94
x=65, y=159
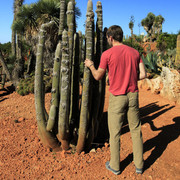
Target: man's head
x=115, y=32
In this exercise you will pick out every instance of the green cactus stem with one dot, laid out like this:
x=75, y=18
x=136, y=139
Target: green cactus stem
x=63, y=124
x=53, y=113
x=80, y=46
x=71, y=25
x=75, y=77
x=102, y=44
x=85, y=104
x=62, y=17
x=48, y=138
x=97, y=85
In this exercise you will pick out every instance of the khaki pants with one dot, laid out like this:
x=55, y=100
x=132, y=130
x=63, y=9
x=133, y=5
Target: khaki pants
x=118, y=107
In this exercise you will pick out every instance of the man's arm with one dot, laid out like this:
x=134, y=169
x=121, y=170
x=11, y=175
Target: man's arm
x=97, y=73
x=142, y=71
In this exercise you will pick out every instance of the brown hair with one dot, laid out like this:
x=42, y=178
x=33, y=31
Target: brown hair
x=116, y=32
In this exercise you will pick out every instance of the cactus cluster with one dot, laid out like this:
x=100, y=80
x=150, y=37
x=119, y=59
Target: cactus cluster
x=72, y=119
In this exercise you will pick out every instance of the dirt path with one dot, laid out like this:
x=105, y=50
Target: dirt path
x=23, y=156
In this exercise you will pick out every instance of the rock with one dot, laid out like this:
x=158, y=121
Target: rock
x=145, y=84
x=21, y=119
x=93, y=150
x=156, y=85
x=171, y=84
x=167, y=84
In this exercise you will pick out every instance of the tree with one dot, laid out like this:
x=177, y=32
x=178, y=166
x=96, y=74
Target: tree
x=157, y=26
x=147, y=23
x=131, y=25
x=31, y=17
x=152, y=24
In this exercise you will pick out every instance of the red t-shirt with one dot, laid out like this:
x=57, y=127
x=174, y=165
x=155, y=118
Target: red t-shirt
x=122, y=63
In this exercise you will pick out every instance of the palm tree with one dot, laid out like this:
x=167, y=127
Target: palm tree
x=31, y=17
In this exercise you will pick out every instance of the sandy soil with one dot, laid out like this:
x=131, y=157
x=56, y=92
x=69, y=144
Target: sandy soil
x=23, y=156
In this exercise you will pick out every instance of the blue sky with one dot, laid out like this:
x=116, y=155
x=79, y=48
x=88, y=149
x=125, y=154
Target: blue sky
x=114, y=12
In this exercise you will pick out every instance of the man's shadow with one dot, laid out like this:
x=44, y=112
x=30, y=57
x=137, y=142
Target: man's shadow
x=166, y=135
x=144, y=112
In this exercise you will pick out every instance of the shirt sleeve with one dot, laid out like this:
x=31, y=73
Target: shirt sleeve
x=141, y=61
x=103, y=62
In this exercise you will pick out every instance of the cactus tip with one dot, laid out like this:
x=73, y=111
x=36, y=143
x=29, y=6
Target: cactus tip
x=70, y=5
x=90, y=5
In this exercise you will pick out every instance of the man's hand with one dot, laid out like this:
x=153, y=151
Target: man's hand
x=88, y=63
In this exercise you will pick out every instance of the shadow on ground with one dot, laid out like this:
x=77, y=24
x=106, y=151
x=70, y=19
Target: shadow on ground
x=6, y=91
x=159, y=143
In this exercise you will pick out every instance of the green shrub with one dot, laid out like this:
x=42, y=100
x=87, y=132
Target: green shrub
x=166, y=41
x=26, y=86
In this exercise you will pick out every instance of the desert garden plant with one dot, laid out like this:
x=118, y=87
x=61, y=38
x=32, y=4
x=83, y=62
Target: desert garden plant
x=72, y=121
x=151, y=62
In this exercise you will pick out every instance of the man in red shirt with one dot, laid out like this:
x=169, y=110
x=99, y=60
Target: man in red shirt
x=125, y=68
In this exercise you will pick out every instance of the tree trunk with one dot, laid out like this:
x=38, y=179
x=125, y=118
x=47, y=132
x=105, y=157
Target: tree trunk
x=4, y=66
x=13, y=43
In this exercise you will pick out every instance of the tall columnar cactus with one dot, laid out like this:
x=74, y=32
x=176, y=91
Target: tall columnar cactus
x=56, y=81
x=71, y=24
x=178, y=51
x=53, y=113
x=99, y=95
x=63, y=125
x=86, y=101
x=48, y=138
x=75, y=78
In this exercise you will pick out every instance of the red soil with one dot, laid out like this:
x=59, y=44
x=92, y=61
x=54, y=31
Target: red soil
x=23, y=156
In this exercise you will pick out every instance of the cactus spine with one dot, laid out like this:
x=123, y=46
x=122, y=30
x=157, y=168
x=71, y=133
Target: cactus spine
x=178, y=51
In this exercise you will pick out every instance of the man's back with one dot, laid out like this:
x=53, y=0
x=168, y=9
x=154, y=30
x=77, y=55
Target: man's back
x=123, y=66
